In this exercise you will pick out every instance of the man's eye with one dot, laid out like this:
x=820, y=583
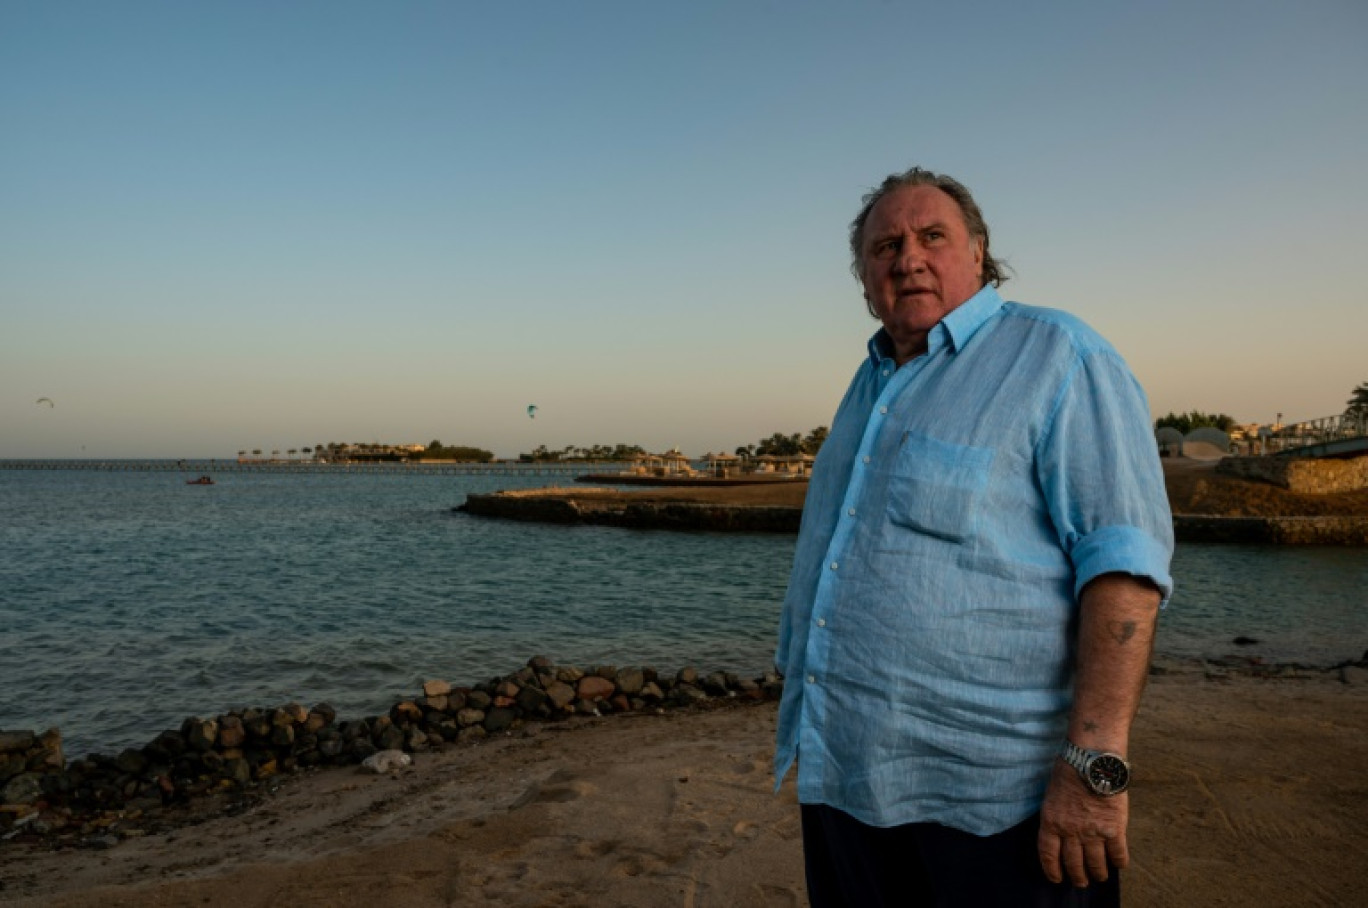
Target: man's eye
x=886, y=248
x=934, y=235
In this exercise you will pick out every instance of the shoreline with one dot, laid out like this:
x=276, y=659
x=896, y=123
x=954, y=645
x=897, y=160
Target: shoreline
x=1246, y=789
x=1207, y=506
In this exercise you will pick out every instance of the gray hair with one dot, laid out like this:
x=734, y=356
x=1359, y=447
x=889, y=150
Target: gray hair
x=994, y=272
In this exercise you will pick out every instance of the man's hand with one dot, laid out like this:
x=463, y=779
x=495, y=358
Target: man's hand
x=1080, y=831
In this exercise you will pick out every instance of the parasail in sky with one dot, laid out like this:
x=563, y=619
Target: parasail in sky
x=45, y=400
x=531, y=411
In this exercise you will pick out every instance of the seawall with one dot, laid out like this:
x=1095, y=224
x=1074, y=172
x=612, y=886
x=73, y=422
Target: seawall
x=1275, y=530
x=680, y=515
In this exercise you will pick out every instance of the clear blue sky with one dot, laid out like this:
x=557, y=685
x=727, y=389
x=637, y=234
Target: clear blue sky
x=265, y=225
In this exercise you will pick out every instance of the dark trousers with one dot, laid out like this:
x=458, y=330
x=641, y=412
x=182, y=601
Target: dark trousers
x=854, y=865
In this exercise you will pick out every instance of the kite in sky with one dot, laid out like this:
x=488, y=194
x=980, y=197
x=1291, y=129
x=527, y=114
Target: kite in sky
x=45, y=400
x=532, y=411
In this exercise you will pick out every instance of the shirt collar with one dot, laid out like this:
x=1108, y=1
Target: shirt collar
x=954, y=330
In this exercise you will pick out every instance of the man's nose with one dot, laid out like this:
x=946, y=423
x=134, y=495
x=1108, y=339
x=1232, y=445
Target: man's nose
x=909, y=259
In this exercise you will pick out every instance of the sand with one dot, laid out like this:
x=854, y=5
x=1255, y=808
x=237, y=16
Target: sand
x=1248, y=791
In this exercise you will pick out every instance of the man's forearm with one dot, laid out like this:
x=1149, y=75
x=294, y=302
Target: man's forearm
x=1117, y=618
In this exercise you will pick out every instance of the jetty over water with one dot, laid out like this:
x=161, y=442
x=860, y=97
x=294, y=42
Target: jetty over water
x=1328, y=436
x=304, y=467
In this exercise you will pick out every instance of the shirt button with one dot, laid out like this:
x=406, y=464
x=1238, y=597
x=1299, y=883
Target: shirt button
x=886, y=373
x=866, y=458
x=821, y=622
x=834, y=565
x=883, y=410
x=812, y=679
x=851, y=512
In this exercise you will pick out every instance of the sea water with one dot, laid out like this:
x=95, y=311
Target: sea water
x=129, y=601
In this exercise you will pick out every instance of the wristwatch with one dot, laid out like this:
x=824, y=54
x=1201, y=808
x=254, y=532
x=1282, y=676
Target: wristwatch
x=1105, y=774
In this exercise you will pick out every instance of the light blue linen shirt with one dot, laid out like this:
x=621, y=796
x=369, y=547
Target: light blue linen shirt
x=957, y=508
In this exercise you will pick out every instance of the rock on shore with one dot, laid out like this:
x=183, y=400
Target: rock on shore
x=81, y=801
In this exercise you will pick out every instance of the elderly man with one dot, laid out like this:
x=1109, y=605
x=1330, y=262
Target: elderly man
x=983, y=553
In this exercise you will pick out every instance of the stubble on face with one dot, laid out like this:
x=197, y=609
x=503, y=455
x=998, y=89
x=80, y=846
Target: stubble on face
x=919, y=264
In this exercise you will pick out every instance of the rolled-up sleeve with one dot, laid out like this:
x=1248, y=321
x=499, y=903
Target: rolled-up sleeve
x=1099, y=470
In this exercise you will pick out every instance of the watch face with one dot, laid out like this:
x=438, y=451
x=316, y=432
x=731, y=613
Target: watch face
x=1108, y=774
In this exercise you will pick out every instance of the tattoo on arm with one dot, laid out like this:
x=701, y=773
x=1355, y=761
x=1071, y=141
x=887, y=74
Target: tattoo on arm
x=1122, y=631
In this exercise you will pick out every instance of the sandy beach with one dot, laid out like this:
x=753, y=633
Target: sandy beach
x=1249, y=791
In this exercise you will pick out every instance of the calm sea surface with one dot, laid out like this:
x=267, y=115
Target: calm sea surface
x=130, y=600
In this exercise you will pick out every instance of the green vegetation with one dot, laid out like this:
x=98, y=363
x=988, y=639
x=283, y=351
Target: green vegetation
x=1186, y=422
x=618, y=452
x=1357, y=407
x=438, y=451
x=781, y=445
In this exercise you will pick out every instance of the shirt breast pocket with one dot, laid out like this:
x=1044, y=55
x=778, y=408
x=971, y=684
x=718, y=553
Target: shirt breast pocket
x=936, y=487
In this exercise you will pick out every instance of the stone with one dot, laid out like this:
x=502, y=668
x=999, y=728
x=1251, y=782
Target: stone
x=560, y=694
x=607, y=672
x=586, y=708
x=532, y=700
x=437, y=704
x=22, y=789
x=507, y=690
x=436, y=688
x=568, y=674
x=283, y=736
x=687, y=695
x=131, y=761
x=315, y=722
x=470, y=716
x=290, y=714
x=652, y=691
x=715, y=684
x=478, y=699
x=631, y=680
x=594, y=687
x=50, y=744
x=416, y=739
x=456, y=701
x=201, y=734
x=231, y=734
x=1354, y=675
x=11, y=765
x=406, y=711
x=386, y=761
x=504, y=702
x=686, y=675
x=499, y=719
x=473, y=733
x=16, y=741
x=621, y=703
x=541, y=663
x=237, y=770
x=391, y=738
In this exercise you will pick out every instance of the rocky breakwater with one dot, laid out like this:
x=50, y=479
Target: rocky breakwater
x=236, y=758
x=605, y=507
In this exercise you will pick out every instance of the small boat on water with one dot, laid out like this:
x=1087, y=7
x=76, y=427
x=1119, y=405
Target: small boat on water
x=202, y=481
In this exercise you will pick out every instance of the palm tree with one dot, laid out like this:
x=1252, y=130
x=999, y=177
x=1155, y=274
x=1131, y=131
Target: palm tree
x=1357, y=407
